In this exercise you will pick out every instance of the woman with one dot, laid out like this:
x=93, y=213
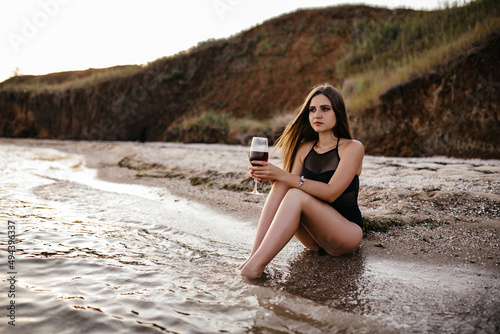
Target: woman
x=315, y=196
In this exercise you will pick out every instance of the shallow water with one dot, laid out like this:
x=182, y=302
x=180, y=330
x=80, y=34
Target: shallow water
x=99, y=257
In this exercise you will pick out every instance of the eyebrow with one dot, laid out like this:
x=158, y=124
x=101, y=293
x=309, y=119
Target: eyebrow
x=321, y=106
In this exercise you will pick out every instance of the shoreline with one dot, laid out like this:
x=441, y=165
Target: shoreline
x=437, y=210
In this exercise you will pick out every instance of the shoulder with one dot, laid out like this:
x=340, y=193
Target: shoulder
x=351, y=147
x=305, y=147
x=304, y=150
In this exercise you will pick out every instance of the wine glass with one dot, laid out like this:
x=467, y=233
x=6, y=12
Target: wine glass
x=258, y=152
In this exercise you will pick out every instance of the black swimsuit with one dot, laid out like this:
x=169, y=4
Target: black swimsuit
x=321, y=167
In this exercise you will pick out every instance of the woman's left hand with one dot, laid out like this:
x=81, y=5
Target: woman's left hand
x=265, y=171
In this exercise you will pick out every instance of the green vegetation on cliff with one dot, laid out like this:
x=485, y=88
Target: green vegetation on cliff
x=385, y=52
x=61, y=81
x=377, y=49
x=229, y=89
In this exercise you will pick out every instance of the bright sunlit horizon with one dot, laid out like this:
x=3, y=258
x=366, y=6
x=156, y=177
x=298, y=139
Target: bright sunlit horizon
x=45, y=36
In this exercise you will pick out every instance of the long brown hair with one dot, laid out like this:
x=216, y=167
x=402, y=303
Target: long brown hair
x=299, y=130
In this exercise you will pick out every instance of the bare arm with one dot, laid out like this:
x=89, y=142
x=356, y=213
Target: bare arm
x=350, y=165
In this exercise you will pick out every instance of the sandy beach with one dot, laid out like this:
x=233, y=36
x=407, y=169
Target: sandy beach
x=435, y=209
x=429, y=261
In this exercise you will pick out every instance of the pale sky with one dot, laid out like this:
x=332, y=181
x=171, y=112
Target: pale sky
x=43, y=36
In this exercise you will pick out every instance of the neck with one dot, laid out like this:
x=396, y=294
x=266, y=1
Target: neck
x=326, y=139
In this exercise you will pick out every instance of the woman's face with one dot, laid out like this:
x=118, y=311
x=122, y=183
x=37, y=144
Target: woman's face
x=321, y=115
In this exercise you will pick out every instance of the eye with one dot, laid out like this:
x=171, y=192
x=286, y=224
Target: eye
x=326, y=108
x=312, y=109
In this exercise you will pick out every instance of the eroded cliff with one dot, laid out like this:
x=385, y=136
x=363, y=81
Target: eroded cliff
x=450, y=108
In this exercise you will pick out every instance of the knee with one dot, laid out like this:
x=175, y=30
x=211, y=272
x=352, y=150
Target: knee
x=293, y=192
x=297, y=196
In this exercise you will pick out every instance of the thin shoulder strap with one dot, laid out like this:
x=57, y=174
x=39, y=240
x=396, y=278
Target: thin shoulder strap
x=337, y=149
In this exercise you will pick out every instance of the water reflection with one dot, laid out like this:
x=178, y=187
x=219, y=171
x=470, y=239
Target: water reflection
x=331, y=280
x=326, y=292
x=104, y=257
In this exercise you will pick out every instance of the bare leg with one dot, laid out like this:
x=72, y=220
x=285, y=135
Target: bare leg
x=331, y=231
x=306, y=239
x=273, y=201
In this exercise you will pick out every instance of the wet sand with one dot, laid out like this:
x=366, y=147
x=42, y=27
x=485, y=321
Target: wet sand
x=433, y=231
x=436, y=210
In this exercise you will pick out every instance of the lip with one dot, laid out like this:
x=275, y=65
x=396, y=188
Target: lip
x=317, y=123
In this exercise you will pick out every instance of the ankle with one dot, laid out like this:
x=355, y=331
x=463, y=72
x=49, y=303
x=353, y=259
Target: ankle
x=251, y=273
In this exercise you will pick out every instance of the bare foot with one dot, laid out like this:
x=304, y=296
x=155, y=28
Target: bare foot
x=250, y=273
x=242, y=265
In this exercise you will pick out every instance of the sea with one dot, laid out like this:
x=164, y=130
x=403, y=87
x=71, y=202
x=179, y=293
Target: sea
x=83, y=255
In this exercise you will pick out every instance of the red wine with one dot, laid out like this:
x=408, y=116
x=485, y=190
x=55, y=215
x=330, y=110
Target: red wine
x=260, y=156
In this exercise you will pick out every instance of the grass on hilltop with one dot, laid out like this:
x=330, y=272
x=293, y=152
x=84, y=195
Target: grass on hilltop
x=385, y=53
x=381, y=53
x=61, y=81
